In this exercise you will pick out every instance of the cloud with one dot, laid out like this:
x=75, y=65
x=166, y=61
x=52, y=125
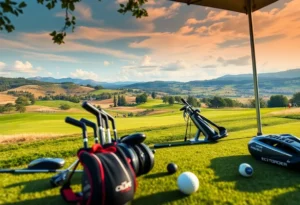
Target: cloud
x=106, y=63
x=41, y=41
x=82, y=12
x=48, y=56
x=241, y=61
x=24, y=67
x=2, y=65
x=155, y=13
x=210, y=66
x=212, y=16
x=82, y=74
x=20, y=67
x=176, y=66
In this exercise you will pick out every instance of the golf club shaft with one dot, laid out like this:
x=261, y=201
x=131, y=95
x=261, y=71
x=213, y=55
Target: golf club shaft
x=33, y=170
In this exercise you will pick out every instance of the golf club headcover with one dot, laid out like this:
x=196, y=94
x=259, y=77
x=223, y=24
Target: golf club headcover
x=108, y=177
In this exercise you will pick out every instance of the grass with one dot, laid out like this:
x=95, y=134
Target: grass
x=215, y=164
x=57, y=103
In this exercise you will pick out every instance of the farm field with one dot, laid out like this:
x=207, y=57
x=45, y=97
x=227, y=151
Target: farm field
x=216, y=165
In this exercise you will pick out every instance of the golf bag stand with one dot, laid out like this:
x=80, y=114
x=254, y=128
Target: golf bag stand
x=203, y=126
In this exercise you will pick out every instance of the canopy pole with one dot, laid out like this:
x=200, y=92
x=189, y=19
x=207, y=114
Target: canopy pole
x=255, y=79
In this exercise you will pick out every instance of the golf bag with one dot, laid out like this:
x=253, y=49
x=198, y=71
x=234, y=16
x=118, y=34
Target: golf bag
x=140, y=155
x=108, y=177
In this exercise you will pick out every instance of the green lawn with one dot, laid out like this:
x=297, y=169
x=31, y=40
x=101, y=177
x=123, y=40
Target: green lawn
x=216, y=165
x=57, y=103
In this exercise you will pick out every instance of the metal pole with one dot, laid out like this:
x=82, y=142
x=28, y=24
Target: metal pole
x=255, y=79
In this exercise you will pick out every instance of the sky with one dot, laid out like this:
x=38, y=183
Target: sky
x=176, y=42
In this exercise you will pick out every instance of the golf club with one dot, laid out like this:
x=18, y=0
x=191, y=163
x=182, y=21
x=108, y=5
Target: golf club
x=112, y=120
x=90, y=108
x=95, y=129
x=60, y=178
x=39, y=165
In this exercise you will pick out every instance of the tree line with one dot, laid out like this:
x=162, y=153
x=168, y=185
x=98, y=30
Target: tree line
x=220, y=102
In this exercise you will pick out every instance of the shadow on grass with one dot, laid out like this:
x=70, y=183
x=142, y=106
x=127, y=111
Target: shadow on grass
x=32, y=185
x=40, y=185
x=156, y=175
x=50, y=200
x=159, y=198
x=290, y=198
x=265, y=177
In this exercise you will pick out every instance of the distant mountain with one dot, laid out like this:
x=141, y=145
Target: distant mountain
x=83, y=82
x=285, y=83
x=294, y=73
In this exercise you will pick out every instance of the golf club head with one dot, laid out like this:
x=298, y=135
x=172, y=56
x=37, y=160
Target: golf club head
x=59, y=179
x=47, y=163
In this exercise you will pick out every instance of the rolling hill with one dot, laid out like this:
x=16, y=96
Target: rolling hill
x=82, y=82
x=54, y=89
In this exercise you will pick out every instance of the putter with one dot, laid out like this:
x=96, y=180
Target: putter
x=60, y=178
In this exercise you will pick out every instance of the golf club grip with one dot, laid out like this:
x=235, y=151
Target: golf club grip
x=74, y=122
x=89, y=123
x=90, y=108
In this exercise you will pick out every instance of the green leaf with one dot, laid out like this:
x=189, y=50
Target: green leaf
x=53, y=33
x=49, y=5
x=71, y=6
x=6, y=19
x=22, y=5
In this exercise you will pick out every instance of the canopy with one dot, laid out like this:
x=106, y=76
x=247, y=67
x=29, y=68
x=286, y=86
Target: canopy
x=247, y=7
x=231, y=5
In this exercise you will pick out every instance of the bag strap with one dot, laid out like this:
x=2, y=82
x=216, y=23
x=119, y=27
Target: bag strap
x=66, y=191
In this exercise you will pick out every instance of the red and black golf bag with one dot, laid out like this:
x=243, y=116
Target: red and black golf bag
x=108, y=177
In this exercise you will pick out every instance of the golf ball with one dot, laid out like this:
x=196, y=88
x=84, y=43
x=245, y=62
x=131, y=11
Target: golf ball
x=172, y=168
x=246, y=170
x=188, y=183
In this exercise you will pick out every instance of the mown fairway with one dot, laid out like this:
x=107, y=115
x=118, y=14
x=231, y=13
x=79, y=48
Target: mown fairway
x=216, y=165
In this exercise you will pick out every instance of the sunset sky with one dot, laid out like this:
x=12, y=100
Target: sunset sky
x=176, y=42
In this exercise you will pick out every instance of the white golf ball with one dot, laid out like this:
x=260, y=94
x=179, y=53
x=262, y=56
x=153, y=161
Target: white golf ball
x=246, y=170
x=188, y=183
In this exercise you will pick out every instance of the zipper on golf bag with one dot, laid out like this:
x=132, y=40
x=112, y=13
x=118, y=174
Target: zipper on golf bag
x=108, y=177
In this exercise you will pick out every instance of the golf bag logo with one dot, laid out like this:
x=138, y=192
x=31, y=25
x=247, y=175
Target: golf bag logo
x=124, y=187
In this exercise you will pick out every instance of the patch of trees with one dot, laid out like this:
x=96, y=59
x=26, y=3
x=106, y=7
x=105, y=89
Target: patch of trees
x=102, y=96
x=25, y=94
x=141, y=98
x=219, y=102
x=278, y=101
x=153, y=95
x=121, y=100
x=8, y=107
x=69, y=85
x=64, y=107
x=74, y=99
x=97, y=87
x=296, y=98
